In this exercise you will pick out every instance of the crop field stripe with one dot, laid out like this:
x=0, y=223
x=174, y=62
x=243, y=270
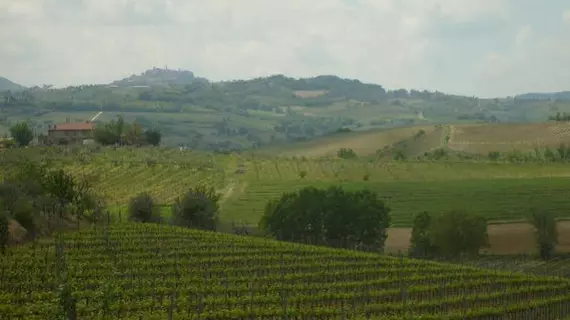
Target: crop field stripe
x=499, y=199
x=152, y=270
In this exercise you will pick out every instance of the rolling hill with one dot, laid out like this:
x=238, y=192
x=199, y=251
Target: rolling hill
x=7, y=85
x=471, y=139
x=147, y=271
x=245, y=114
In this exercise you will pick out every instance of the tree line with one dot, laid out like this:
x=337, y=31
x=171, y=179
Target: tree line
x=339, y=218
x=115, y=132
x=119, y=132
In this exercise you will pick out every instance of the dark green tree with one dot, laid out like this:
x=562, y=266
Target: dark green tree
x=4, y=229
x=22, y=134
x=153, y=137
x=546, y=232
x=455, y=233
x=346, y=153
x=198, y=209
x=332, y=217
x=141, y=209
x=421, y=244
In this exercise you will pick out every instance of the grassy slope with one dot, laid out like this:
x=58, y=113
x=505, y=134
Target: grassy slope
x=478, y=138
x=146, y=271
x=499, y=191
x=470, y=138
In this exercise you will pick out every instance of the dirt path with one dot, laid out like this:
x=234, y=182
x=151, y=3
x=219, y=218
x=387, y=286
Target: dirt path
x=512, y=238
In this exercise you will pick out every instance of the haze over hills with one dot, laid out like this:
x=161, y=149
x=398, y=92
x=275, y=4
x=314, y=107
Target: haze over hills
x=6, y=85
x=229, y=115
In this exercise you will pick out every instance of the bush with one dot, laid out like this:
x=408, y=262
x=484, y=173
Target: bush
x=332, y=217
x=346, y=153
x=198, y=209
x=141, y=209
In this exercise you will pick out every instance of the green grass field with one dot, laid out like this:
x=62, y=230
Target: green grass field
x=499, y=191
x=496, y=199
x=142, y=271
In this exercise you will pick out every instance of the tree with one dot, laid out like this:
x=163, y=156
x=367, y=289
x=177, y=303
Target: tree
x=332, y=217
x=4, y=229
x=22, y=134
x=422, y=246
x=153, y=137
x=198, y=209
x=346, y=153
x=455, y=233
x=546, y=233
x=141, y=209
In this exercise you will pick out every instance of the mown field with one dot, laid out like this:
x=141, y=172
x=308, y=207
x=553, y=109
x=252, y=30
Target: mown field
x=496, y=199
x=142, y=271
x=475, y=139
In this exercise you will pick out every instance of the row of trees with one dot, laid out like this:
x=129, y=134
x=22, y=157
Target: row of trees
x=42, y=199
x=118, y=132
x=338, y=218
x=197, y=209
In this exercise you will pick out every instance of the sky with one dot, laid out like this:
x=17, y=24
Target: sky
x=486, y=48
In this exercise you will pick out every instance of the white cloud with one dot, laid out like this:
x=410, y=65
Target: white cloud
x=450, y=45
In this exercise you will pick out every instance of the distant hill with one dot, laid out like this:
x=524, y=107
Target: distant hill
x=7, y=85
x=274, y=110
x=564, y=95
x=160, y=77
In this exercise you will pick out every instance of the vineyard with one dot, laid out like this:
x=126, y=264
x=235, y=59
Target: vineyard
x=500, y=191
x=142, y=271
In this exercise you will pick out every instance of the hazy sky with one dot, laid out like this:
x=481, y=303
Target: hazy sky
x=473, y=47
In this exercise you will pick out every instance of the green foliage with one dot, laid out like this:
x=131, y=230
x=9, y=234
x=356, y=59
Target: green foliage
x=4, y=236
x=546, y=232
x=119, y=269
x=346, y=153
x=33, y=192
x=141, y=209
x=118, y=132
x=562, y=117
x=455, y=233
x=421, y=243
x=399, y=155
x=153, y=137
x=330, y=216
x=197, y=209
x=22, y=134
x=494, y=155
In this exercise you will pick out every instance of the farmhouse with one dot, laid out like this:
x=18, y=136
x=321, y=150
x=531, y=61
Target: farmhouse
x=70, y=133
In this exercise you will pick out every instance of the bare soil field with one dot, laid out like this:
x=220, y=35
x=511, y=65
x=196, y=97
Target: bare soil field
x=512, y=238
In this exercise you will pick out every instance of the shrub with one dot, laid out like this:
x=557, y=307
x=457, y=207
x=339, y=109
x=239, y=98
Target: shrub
x=331, y=217
x=346, y=153
x=141, y=209
x=197, y=209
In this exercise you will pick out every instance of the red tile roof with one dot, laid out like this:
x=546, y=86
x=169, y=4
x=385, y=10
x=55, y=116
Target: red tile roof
x=72, y=126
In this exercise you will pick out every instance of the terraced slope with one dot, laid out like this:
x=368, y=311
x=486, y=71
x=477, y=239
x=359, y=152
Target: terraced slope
x=158, y=272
